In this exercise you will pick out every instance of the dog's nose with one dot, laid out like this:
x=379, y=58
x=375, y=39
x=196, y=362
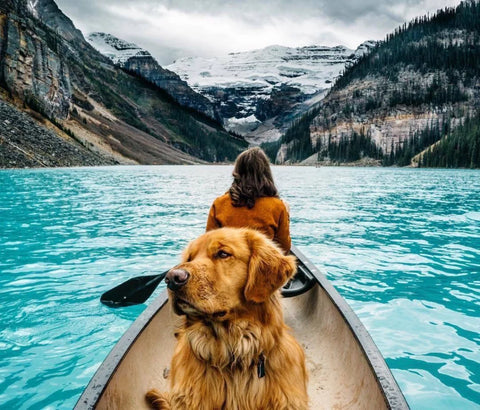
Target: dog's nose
x=176, y=278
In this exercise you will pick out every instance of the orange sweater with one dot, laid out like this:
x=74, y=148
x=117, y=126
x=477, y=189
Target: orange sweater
x=269, y=215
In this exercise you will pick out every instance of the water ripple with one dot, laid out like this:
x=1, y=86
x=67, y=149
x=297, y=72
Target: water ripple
x=402, y=246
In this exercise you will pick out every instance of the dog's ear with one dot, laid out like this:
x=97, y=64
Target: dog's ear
x=268, y=268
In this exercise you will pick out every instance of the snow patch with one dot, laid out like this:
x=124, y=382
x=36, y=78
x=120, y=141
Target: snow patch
x=32, y=7
x=117, y=50
x=307, y=68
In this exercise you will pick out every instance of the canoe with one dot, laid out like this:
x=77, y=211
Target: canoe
x=346, y=369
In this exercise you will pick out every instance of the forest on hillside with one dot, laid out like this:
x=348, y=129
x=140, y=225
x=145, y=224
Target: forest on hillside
x=441, y=55
x=426, y=44
x=459, y=149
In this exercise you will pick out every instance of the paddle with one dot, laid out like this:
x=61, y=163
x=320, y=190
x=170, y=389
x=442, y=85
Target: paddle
x=137, y=290
x=132, y=292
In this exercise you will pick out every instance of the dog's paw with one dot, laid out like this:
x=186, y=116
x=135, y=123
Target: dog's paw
x=157, y=400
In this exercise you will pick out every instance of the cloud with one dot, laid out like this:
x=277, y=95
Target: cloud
x=206, y=34
x=170, y=29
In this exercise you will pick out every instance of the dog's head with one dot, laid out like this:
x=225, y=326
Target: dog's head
x=225, y=270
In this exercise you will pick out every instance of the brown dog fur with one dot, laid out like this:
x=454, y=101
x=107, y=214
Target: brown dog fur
x=233, y=320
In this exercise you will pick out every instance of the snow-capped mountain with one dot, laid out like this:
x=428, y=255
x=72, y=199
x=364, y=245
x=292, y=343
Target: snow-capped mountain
x=256, y=93
x=307, y=68
x=135, y=59
x=259, y=92
x=117, y=50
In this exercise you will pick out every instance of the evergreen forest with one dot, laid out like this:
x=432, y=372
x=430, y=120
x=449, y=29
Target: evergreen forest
x=430, y=65
x=459, y=149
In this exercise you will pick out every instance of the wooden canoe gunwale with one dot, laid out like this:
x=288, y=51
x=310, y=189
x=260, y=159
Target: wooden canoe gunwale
x=393, y=396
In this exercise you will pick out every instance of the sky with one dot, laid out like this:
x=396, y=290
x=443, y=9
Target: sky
x=171, y=29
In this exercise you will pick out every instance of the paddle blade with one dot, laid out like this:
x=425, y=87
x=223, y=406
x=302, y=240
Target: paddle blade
x=132, y=292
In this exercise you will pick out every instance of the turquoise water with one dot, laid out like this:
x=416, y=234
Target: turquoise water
x=401, y=245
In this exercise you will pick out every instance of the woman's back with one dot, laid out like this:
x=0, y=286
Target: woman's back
x=269, y=215
x=252, y=200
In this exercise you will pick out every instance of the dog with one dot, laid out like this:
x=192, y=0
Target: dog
x=233, y=350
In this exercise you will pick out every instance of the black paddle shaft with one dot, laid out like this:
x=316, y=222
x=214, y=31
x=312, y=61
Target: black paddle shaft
x=132, y=292
x=137, y=290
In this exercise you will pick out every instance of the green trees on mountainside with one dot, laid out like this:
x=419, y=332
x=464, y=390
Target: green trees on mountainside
x=459, y=149
x=417, y=142
x=350, y=149
x=430, y=65
x=297, y=137
x=211, y=144
x=427, y=44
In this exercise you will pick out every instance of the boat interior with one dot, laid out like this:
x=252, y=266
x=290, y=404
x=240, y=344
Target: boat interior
x=340, y=375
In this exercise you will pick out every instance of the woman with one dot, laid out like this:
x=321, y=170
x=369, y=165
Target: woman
x=253, y=201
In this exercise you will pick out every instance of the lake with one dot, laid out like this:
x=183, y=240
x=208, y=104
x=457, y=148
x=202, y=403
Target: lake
x=401, y=245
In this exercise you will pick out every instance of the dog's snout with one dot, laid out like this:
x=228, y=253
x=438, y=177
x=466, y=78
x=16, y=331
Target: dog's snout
x=176, y=278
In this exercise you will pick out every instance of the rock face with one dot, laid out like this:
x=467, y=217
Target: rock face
x=49, y=13
x=133, y=58
x=24, y=143
x=405, y=95
x=30, y=67
x=48, y=70
x=258, y=93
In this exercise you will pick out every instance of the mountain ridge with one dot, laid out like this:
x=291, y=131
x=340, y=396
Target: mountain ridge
x=65, y=84
x=260, y=92
x=410, y=91
x=254, y=93
x=135, y=59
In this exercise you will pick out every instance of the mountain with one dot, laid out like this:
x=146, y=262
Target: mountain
x=258, y=93
x=137, y=60
x=24, y=142
x=117, y=50
x=460, y=147
x=411, y=91
x=50, y=72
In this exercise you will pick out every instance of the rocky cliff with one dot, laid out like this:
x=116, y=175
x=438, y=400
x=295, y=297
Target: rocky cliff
x=405, y=95
x=50, y=71
x=137, y=60
x=48, y=12
x=29, y=67
x=24, y=142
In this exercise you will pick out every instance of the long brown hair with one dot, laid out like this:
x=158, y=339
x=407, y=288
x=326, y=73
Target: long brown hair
x=252, y=178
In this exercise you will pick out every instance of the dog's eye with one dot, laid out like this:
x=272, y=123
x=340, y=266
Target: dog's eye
x=222, y=255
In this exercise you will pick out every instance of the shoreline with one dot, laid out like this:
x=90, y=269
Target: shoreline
x=323, y=164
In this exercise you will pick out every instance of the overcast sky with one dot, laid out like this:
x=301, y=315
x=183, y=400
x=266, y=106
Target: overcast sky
x=170, y=29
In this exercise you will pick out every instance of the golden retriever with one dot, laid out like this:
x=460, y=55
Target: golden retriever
x=234, y=350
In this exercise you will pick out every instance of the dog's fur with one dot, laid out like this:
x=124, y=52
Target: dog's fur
x=234, y=320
